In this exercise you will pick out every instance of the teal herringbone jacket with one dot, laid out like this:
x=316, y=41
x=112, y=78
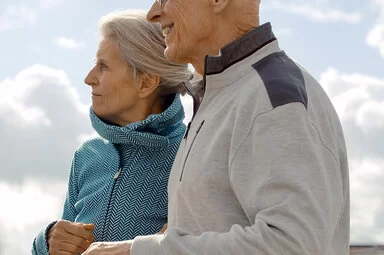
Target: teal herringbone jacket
x=118, y=181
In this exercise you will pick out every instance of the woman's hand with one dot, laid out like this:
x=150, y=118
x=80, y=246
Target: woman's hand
x=68, y=238
x=163, y=229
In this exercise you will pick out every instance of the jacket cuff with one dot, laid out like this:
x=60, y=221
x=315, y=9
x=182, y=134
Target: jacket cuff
x=147, y=245
x=40, y=244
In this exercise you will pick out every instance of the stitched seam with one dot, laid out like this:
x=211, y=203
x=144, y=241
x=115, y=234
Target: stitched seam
x=337, y=162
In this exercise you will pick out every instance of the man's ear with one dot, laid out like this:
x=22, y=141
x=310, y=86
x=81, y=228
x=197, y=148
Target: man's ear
x=219, y=5
x=148, y=83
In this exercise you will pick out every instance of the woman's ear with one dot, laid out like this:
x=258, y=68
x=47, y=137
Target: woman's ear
x=148, y=83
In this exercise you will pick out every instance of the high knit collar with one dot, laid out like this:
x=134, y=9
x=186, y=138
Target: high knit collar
x=154, y=131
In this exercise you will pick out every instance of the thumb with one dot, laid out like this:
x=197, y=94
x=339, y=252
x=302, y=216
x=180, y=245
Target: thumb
x=88, y=227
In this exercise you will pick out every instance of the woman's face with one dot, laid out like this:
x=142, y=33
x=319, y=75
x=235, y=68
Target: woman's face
x=114, y=89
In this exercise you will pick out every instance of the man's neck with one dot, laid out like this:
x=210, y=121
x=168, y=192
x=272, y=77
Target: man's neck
x=223, y=39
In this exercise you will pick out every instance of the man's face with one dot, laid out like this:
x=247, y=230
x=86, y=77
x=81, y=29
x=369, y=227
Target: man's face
x=187, y=26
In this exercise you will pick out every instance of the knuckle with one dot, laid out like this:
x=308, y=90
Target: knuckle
x=60, y=223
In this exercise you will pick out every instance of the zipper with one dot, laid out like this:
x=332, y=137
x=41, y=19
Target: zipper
x=190, y=147
x=115, y=177
x=118, y=173
x=187, y=131
x=196, y=105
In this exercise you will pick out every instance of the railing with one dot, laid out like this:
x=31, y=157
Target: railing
x=366, y=250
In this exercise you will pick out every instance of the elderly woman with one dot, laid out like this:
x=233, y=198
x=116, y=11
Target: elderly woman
x=118, y=182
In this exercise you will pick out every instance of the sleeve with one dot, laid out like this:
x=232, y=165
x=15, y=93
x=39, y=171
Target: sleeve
x=40, y=243
x=289, y=185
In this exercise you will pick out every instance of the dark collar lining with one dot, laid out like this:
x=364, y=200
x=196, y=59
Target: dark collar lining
x=240, y=49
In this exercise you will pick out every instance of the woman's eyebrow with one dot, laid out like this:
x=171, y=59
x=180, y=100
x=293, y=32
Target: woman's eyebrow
x=100, y=60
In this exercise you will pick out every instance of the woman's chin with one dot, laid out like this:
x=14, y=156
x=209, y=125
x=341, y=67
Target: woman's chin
x=98, y=112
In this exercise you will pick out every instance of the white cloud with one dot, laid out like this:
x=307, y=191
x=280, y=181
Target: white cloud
x=68, y=43
x=375, y=37
x=41, y=123
x=359, y=101
x=372, y=113
x=41, y=119
x=353, y=94
x=16, y=16
x=29, y=206
x=367, y=204
x=315, y=13
x=46, y=4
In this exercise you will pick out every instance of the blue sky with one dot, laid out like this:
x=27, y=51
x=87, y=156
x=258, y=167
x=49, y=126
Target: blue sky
x=48, y=46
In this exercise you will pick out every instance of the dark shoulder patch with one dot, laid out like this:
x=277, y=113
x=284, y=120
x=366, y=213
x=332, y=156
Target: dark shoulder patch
x=283, y=79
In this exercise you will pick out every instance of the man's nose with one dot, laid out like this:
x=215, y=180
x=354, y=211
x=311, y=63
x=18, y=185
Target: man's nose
x=155, y=12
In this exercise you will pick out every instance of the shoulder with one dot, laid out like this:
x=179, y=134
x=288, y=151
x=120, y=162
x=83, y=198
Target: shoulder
x=95, y=153
x=283, y=79
x=95, y=146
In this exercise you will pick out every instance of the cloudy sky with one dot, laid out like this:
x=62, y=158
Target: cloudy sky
x=48, y=46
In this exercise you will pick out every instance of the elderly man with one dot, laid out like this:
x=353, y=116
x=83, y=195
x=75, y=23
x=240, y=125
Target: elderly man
x=262, y=168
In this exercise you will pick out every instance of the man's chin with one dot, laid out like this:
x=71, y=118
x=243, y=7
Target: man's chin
x=172, y=55
x=169, y=55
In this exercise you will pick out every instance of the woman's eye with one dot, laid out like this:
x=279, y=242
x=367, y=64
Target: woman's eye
x=102, y=66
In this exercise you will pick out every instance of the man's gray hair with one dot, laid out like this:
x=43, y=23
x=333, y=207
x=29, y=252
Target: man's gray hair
x=142, y=46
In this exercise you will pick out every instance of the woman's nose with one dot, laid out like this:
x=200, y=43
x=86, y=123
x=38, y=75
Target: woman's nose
x=90, y=79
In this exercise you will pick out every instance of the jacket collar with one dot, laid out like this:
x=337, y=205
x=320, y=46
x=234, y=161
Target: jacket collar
x=154, y=131
x=240, y=49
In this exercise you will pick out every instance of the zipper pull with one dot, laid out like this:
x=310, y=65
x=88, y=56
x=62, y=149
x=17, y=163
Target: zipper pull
x=117, y=173
x=186, y=132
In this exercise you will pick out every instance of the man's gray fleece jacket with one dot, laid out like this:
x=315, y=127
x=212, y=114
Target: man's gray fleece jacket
x=263, y=166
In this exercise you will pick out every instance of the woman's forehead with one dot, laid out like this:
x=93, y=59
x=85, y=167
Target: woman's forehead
x=107, y=47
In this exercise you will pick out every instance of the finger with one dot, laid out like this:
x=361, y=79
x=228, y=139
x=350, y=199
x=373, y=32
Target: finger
x=78, y=230
x=74, y=228
x=62, y=253
x=62, y=238
x=66, y=247
x=69, y=247
x=88, y=227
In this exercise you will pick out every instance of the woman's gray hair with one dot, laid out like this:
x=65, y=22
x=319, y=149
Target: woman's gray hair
x=142, y=46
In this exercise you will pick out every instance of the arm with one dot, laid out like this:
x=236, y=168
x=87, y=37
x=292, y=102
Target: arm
x=289, y=185
x=40, y=243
